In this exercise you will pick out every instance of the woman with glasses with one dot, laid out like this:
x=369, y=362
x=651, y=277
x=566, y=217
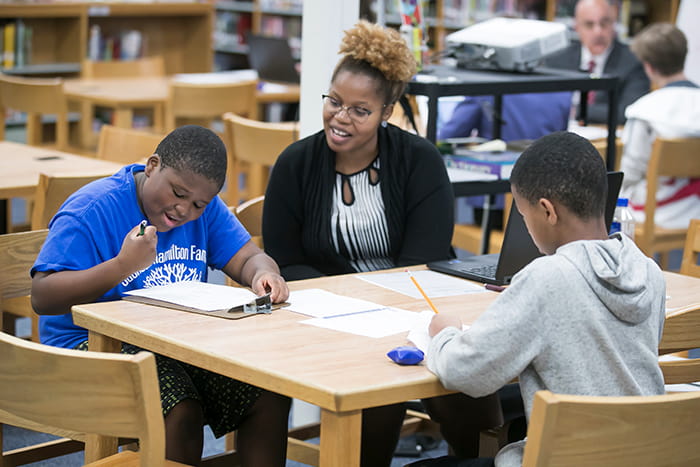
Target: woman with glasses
x=361, y=194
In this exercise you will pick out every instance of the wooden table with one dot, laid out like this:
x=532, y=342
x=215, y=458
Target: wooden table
x=124, y=95
x=341, y=373
x=22, y=164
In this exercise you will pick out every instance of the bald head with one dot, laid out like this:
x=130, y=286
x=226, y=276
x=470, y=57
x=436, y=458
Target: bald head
x=594, y=21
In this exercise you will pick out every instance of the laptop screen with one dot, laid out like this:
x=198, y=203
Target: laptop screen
x=517, y=250
x=272, y=58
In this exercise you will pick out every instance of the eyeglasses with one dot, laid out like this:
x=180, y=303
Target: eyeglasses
x=356, y=113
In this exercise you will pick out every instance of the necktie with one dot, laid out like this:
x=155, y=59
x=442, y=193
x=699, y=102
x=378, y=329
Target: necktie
x=591, y=94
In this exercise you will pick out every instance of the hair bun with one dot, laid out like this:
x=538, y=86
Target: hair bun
x=383, y=48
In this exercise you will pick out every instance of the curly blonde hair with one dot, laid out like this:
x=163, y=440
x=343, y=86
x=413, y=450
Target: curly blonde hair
x=381, y=53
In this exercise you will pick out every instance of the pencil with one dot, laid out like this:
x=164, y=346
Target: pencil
x=142, y=228
x=420, y=289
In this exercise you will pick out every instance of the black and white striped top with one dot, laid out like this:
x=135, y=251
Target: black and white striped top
x=358, y=222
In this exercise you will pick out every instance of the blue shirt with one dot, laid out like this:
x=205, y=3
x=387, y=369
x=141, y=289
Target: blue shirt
x=525, y=116
x=90, y=227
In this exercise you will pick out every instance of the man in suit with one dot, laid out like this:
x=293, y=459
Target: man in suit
x=600, y=52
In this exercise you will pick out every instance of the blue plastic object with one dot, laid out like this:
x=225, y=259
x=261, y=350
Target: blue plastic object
x=406, y=355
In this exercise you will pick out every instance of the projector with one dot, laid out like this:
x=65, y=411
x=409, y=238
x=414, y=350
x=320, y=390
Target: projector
x=506, y=43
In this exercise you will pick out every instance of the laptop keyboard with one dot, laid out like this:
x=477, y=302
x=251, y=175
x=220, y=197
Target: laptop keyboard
x=484, y=271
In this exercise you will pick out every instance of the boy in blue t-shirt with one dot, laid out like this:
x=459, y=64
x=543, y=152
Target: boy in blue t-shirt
x=96, y=251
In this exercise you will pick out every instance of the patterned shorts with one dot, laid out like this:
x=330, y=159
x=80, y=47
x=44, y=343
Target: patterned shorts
x=225, y=401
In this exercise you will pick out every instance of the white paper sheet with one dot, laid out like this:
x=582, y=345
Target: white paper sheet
x=197, y=295
x=434, y=284
x=322, y=304
x=374, y=323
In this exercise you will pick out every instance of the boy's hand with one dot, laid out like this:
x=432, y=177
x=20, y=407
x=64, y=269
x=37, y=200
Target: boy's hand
x=442, y=321
x=267, y=281
x=138, y=251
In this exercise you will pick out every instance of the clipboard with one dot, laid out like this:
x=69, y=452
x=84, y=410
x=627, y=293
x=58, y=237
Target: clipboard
x=206, y=299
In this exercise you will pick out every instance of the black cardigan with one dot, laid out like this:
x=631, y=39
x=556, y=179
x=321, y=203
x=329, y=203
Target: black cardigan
x=418, y=200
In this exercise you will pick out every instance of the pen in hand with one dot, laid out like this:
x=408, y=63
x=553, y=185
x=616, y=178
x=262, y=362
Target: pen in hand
x=420, y=289
x=142, y=228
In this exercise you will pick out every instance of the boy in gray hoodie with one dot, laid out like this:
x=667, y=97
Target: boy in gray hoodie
x=585, y=319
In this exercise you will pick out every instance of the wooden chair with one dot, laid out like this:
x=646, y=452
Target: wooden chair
x=50, y=194
x=681, y=333
x=250, y=215
x=635, y=431
x=602, y=146
x=202, y=103
x=689, y=264
x=126, y=145
x=673, y=158
x=75, y=393
x=17, y=254
x=146, y=66
x=469, y=237
x=36, y=97
x=256, y=145
x=400, y=117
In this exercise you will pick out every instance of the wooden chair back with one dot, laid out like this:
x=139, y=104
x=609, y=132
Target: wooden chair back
x=602, y=146
x=146, y=66
x=401, y=119
x=70, y=392
x=126, y=145
x=18, y=251
x=672, y=158
x=567, y=430
x=250, y=215
x=689, y=264
x=681, y=333
x=256, y=146
x=202, y=103
x=36, y=97
x=17, y=254
x=51, y=192
x=470, y=237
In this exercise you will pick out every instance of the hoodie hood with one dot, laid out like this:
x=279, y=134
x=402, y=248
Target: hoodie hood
x=624, y=292
x=673, y=112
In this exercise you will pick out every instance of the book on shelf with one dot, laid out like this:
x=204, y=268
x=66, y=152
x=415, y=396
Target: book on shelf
x=15, y=44
x=10, y=31
x=128, y=44
x=202, y=297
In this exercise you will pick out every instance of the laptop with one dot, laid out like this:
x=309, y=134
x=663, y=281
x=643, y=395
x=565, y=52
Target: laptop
x=272, y=58
x=517, y=250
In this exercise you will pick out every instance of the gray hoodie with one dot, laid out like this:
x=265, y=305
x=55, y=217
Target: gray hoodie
x=586, y=320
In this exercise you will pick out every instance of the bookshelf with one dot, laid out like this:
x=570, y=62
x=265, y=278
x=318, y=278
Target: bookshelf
x=60, y=32
x=445, y=16
x=235, y=18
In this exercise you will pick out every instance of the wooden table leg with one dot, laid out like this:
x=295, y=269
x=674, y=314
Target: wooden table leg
x=340, y=438
x=99, y=446
x=86, y=117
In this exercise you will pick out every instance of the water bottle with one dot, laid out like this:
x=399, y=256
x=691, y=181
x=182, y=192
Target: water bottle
x=623, y=219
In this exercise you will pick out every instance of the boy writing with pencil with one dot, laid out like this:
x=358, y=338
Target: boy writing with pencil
x=99, y=246
x=585, y=319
